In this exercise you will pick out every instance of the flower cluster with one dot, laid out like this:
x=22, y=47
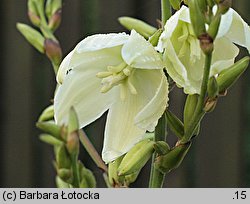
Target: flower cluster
x=125, y=74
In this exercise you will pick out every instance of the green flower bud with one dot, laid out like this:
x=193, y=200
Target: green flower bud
x=229, y=76
x=55, y=20
x=210, y=3
x=32, y=36
x=65, y=175
x=49, y=139
x=212, y=88
x=176, y=4
x=61, y=184
x=155, y=37
x=114, y=178
x=197, y=18
x=161, y=147
x=214, y=26
x=210, y=105
x=175, y=124
x=202, y=5
x=136, y=158
x=224, y=5
x=53, y=51
x=62, y=158
x=73, y=121
x=131, y=178
x=173, y=159
x=87, y=178
x=47, y=114
x=189, y=109
x=52, y=6
x=50, y=127
x=139, y=26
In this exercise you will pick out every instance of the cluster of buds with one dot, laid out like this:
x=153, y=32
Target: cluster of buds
x=46, y=16
x=124, y=170
x=65, y=140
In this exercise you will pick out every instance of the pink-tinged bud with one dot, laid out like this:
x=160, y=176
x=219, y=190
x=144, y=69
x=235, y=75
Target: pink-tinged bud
x=55, y=20
x=206, y=43
x=53, y=51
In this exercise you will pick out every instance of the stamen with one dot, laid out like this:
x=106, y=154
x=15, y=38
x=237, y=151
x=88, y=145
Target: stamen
x=118, y=68
x=131, y=88
x=127, y=71
x=123, y=91
x=103, y=74
x=106, y=88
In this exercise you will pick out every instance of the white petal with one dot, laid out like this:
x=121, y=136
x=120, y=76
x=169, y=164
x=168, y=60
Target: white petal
x=226, y=21
x=170, y=26
x=148, y=117
x=81, y=87
x=121, y=132
x=223, y=56
x=139, y=53
x=101, y=41
x=64, y=68
x=239, y=31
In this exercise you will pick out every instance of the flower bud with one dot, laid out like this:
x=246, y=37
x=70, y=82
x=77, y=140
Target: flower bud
x=210, y=3
x=73, y=121
x=62, y=158
x=210, y=105
x=173, y=159
x=202, y=5
x=189, y=109
x=53, y=51
x=136, y=158
x=87, y=178
x=33, y=13
x=49, y=139
x=139, y=26
x=214, y=26
x=73, y=143
x=114, y=178
x=229, y=76
x=47, y=114
x=32, y=36
x=176, y=4
x=224, y=6
x=50, y=127
x=131, y=178
x=212, y=88
x=52, y=6
x=55, y=20
x=161, y=147
x=65, y=174
x=175, y=124
x=61, y=184
x=155, y=37
x=197, y=18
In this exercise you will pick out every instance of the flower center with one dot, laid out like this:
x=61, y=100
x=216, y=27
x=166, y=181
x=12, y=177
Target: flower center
x=190, y=44
x=117, y=75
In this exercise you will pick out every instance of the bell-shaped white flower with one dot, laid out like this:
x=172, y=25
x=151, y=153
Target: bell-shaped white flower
x=183, y=58
x=116, y=72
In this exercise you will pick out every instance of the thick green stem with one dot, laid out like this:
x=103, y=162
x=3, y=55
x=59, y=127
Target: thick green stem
x=165, y=11
x=199, y=112
x=156, y=177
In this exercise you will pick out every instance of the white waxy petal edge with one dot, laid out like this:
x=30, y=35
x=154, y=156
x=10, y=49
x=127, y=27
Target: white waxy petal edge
x=101, y=41
x=139, y=53
x=148, y=117
x=121, y=132
x=64, y=67
x=81, y=87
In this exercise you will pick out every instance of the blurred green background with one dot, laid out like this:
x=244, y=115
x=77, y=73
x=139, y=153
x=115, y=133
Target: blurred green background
x=220, y=156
